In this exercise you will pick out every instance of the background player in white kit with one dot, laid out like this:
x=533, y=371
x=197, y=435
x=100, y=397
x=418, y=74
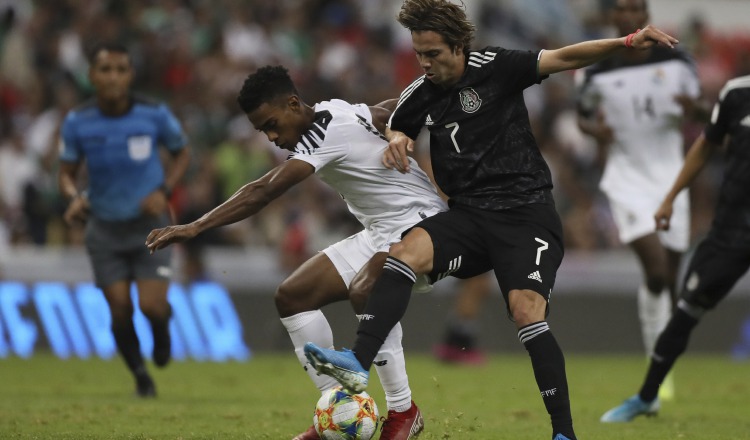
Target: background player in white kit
x=633, y=104
x=338, y=142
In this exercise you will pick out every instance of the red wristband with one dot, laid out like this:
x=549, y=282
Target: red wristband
x=629, y=39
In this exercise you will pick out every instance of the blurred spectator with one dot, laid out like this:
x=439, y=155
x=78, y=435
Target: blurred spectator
x=18, y=173
x=713, y=61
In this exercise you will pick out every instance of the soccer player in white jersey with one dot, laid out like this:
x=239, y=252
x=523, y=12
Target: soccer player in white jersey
x=633, y=104
x=339, y=142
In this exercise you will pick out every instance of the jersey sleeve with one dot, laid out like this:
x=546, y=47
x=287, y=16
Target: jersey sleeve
x=170, y=130
x=320, y=157
x=408, y=116
x=322, y=144
x=70, y=150
x=721, y=116
x=517, y=70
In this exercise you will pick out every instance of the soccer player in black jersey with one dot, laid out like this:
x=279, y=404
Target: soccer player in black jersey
x=722, y=257
x=502, y=216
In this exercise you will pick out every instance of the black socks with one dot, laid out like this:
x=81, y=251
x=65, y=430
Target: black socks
x=162, y=342
x=385, y=307
x=128, y=345
x=671, y=344
x=549, y=370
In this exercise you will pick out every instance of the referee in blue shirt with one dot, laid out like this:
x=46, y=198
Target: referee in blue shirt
x=117, y=136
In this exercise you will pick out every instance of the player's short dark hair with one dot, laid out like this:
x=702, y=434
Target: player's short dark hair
x=440, y=16
x=265, y=85
x=105, y=46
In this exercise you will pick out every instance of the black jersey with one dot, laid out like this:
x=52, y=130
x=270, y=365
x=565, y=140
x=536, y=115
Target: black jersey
x=731, y=116
x=482, y=149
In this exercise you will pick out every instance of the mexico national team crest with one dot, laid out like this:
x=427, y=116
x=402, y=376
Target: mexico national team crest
x=470, y=101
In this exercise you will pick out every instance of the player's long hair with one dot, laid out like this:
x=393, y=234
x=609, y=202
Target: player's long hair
x=440, y=16
x=264, y=86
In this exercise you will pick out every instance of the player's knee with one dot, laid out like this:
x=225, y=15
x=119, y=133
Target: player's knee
x=656, y=280
x=153, y=308
x=419, y=261
x=656, y=285
x=120, y=308
x=523, y=316
x=398, y=250
x=289, y=302
x=285, y=304
x=526, y=307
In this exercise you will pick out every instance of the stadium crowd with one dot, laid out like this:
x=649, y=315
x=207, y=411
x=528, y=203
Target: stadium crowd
x=194, y=55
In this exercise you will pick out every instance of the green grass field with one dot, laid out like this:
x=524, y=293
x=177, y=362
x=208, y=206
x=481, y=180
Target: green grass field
x=270, y=397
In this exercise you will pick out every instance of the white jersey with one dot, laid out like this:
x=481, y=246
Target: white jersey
x=638, y=103
x=346, y=151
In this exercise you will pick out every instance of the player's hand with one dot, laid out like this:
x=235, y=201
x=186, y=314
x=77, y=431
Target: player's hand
x=686, y=102
x=77, y=211
x=692, y=108
x=663, y=215
x=396, y=155
x=651, y=36
x=155, y=204
x=163, y=237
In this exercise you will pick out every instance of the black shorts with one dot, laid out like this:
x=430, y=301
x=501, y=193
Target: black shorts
x=713, y=270
x=522, y=245
x=118, y=251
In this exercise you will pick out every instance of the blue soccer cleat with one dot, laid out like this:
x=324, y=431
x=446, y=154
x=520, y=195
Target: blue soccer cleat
x=560, y=437
x=630, y=409
x=340, y=365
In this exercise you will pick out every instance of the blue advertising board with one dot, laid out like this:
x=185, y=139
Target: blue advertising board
x=74, y=320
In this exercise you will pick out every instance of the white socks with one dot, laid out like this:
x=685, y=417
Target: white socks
x=390, y=364
x=391, y=367
x=310, y=327
x=654, y=311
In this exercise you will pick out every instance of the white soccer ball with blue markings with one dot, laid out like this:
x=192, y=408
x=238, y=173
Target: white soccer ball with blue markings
x=340, y=415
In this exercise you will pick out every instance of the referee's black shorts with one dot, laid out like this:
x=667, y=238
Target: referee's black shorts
x=118, y=252
x=522, y=245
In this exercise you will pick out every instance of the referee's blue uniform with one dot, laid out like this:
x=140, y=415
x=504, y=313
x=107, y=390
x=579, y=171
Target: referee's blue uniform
x=123, y=163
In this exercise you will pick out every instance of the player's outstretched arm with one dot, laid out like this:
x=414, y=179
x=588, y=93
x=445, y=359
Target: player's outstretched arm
x=247, y=201
x=589, y=52
x=695, y=160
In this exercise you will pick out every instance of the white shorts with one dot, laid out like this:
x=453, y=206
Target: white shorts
x=635, y=219
x=350, y=255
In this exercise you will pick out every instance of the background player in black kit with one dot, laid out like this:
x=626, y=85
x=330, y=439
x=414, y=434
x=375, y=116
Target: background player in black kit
x=502, y=216
x=721, y=258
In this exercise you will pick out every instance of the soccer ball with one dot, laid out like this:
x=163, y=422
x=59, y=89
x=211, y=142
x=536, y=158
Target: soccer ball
x=343, y=416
